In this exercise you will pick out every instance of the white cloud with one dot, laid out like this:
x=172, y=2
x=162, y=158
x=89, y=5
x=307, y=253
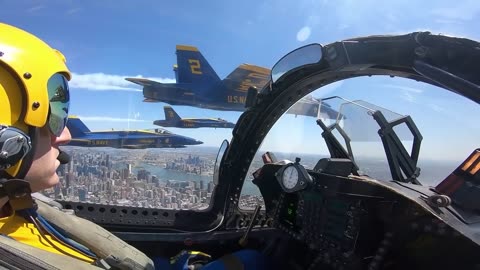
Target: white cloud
x=303, y=34
x=109, y=119
x=102, y=81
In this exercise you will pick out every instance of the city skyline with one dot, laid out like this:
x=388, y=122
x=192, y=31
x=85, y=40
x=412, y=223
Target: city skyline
x=170, y=180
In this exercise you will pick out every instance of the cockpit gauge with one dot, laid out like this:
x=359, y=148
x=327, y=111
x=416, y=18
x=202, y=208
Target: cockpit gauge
x=293, y=177
x=290, y=177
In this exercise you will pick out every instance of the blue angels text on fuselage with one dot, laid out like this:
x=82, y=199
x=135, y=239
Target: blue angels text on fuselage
x=198, y=85
x=172, y=119
x=129, y=139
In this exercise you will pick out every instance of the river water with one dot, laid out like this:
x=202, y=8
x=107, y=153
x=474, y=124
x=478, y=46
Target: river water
x=164, y=175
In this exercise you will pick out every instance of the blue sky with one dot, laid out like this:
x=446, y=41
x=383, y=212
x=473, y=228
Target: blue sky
x=106, y=41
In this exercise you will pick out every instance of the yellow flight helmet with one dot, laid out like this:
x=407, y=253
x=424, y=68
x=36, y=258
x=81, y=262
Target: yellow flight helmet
x=27, y=90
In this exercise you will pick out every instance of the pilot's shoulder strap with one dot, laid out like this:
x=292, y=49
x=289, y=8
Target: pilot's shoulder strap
x=116, y=252
x=17, y=255
x=40, y=197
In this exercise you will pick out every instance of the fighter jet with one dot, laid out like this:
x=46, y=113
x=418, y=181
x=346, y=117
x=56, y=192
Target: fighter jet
x=198, y=84
x=129, y=139
x=172, y=119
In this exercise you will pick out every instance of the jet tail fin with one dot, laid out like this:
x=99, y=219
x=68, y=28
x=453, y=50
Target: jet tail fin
x=193, y=67
x=170, y=114
x=76, y=127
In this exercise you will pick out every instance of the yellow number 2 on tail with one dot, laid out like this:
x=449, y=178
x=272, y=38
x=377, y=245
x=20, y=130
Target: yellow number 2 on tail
x=194, y=66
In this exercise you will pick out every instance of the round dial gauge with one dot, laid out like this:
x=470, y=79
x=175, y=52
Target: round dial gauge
x=290, y=177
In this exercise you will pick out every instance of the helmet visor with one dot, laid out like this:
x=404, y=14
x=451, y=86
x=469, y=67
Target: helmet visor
x=59, y=98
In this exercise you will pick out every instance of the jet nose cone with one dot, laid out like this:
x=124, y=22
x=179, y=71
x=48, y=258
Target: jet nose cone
x=191, y=141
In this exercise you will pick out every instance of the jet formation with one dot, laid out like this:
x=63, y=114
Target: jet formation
x=198, y=85
x=127, y=139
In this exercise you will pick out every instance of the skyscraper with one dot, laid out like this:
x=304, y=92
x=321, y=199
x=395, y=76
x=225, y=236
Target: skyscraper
x=210, y=187
x=107, y=161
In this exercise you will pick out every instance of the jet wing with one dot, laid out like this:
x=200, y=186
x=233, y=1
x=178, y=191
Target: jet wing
x=247, y=75
x=143, y=82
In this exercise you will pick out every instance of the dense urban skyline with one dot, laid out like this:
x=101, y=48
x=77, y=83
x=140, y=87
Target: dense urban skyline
x=171, y=179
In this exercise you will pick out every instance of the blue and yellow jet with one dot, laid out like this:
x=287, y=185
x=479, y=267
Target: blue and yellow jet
x=172, y=119
x=198, y=85
x=129, y=139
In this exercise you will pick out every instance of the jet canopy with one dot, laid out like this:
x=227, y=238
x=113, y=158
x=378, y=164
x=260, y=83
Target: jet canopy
x=162, y=131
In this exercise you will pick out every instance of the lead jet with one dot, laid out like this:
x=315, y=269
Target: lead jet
x=128, y=139
x=172, y=119
x=198, y=85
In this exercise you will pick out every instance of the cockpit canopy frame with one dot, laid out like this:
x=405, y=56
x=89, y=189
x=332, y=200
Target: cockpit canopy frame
x=439, y=60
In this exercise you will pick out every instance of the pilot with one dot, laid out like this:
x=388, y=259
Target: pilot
x=34, y=105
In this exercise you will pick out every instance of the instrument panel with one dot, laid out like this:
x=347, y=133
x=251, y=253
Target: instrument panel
x=324, y=213
x=309, y=217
